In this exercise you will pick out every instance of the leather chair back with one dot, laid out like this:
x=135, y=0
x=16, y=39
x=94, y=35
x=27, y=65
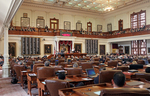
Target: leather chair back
x=124, y=92
x=35, y=67
x=58, y=68
x=143, y=75
x=74, y=71
x=38, y=62
x=95, y=62
x=18, y=69
x=29, y=63
x=64, y=64
x=54, y=85
x=86, y=65
x=136, y=66
x=123, y=68
x=105, y=76
x=96, y=59
x=141, y=62
x=61, y=60
x=52, y=60
x=113, y=63
x=45, y=72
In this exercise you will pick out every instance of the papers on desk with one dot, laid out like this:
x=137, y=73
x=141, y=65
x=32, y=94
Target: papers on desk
x=87, y=79
x=61, y=71
x=68, y=79
x=148, y=65
x=132, y=70
x=32, y=74
x=97, y=93
x=43, y=82
x=134, y=83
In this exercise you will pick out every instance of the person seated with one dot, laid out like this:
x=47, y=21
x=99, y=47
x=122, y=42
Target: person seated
x=1, y=62
x=68, y=59
x=46, y=63
x=119, y=80
x=62, y=76
x=147, y=70
x=75, y=65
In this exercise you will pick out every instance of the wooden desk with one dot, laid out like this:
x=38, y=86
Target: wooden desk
x=30, y=79
x=23, y=75
x=42, y=86
x=81, y=91
x=75, y=54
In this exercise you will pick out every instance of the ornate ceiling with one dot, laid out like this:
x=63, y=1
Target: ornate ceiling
x=92, y=5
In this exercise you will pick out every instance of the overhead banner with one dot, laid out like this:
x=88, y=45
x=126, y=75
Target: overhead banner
x=65, y=33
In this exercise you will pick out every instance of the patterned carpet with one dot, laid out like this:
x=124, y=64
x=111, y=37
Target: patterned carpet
x=8, y=89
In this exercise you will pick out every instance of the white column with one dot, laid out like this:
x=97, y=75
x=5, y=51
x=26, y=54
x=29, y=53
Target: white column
x=58, y=45
x=72, y=44
x=6, y=66
x=108, y=45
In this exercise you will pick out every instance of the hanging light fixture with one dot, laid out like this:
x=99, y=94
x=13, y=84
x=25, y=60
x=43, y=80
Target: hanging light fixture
x=108, y=8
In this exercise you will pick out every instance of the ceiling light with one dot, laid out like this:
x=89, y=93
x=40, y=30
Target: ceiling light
x=108, y=8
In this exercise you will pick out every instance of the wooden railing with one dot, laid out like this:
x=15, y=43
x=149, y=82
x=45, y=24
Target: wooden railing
x=113, y=34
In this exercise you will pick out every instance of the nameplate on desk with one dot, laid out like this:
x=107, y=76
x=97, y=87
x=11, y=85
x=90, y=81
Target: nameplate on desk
x=65, y=33
x=23, y=71
x=32, y=74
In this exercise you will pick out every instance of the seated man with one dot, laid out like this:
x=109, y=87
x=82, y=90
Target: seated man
x=1, y=62
x=62, y=76
x=118, y=80
x=46, y=63
x=147, y=70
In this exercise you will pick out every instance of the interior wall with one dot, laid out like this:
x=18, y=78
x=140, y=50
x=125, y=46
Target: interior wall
x=114, y=17
x=126, y=43
x=84, y=18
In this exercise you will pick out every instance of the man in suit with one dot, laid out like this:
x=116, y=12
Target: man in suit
x=119, y=80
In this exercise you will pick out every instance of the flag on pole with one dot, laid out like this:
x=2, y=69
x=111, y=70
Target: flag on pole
x=54, y=51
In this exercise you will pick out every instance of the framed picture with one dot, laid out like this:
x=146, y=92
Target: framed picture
x=99, y=28
x=78, y=47
x=12, y=48
x=109, y=27
x=78, y=26
x=47, y=49
x=67, y=25
x=149, y=50
x=126, y=48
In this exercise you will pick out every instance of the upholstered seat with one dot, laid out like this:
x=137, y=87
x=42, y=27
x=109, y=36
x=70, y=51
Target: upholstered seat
x=141, y=62
x=142, y=75
x=86, y=65
x=95, y=62
x=113, y=63
x=124, y=92
x=18, y=69
x=54, y=85
x=105, y=76
x=35, y=67
x=123, y=68
x=45, y=72
x=74, y=71
x=64, y=64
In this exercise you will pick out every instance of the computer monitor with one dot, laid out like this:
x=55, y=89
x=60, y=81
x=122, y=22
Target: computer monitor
x=90, y=72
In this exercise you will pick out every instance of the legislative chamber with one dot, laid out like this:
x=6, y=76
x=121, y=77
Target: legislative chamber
x=75, y=48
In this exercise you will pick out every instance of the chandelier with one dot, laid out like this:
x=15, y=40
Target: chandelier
x=108, y=8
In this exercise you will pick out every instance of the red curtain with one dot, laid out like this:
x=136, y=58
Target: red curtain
x=66, y=43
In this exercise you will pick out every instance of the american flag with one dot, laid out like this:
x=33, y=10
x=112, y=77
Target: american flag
x=54, y=51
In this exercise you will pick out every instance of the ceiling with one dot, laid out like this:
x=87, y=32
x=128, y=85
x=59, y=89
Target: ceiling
x=92, y=5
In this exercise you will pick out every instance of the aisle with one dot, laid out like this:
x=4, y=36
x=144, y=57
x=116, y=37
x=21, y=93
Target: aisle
x=8, y=89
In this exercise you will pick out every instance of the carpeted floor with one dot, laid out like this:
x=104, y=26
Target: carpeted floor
x=8, y=89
